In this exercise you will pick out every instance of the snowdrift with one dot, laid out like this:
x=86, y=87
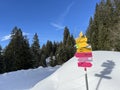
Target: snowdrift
x=24, y=79
x=103, y=75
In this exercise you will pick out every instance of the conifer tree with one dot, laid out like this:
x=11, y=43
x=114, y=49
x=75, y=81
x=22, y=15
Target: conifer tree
x=89, y=31
x=17, y=53
x=54, y=47
x=66, y=48
x=43, y=60
x=66, y=35
x=70, y=47
x=53, y=62
x=116, y=27
x=105, y=25
x=43, y=56
x=49, y=48
x=94, y=27
x=26, y=55
x=61, y=54
x=35, y=49
x=2, y=65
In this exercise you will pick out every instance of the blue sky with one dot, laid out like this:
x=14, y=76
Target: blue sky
x=45, y=17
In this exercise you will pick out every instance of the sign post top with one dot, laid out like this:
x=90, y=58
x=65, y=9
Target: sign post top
x=84, y=52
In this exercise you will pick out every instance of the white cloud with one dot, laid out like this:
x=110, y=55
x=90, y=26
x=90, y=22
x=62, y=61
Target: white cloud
x=57, y=26
x=7, y=37
x=64, y=14
x=59, y=22
x=24, y=33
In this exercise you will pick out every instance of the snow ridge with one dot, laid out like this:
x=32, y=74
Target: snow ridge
x=104, y=74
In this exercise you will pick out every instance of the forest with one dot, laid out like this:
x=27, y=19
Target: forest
x=19, y=54
x=104, y=27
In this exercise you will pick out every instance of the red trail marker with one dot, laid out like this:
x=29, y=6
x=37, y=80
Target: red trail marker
x=84, y=64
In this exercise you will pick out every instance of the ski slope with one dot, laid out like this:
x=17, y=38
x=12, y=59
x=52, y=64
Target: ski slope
x=103, y=75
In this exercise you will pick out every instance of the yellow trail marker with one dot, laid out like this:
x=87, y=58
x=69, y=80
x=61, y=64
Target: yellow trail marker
x=84, y=50
x=81, y=45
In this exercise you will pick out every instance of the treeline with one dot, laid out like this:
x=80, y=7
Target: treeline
x=19, y=54
x=104, y=27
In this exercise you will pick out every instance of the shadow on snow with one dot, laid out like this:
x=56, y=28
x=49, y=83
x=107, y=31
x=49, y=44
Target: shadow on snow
x=109, y=65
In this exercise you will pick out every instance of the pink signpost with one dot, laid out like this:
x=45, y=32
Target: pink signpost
x=84, y=60
x=84, y=54
x=84, y=64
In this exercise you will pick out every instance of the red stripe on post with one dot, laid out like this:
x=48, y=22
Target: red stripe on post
x=84, y=64
x=85, y=54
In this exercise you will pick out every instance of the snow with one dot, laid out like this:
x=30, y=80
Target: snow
x=48, y=60
x=24, y=79
x=103, y=75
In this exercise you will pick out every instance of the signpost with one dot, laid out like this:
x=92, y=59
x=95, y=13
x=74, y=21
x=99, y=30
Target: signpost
x=84, y=64
x=84, y=55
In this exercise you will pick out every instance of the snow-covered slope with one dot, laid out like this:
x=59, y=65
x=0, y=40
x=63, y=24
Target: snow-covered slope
x=24, y=79
x=104, y=74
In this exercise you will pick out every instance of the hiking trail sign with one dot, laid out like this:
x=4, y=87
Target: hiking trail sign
x=84, y=51
x=84, y=54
